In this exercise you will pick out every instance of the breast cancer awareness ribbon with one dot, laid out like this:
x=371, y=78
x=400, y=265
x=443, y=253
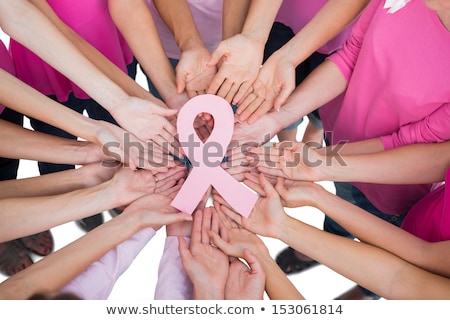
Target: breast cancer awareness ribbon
x=206, y=157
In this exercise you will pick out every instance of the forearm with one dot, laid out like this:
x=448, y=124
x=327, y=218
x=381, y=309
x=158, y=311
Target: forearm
x=233, y=17
x=25, y=216
x=26, y=100
x=130, y=86
x=29, y=26
x=55, y=268
x=278, y=285
x=135, y=22
x=178, y=18
x=46, y=185
x=377, y=270
x=260, y=18
x=334, y=16
x=426, y=163
x=21, y=143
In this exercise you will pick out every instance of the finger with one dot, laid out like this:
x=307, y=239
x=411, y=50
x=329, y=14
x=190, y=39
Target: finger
x=265, y=107
x=271, y=171
x=191, y=93
x=243, y=117
x=183, y=248
x=215, y=221
x=225, y=88
x=242, y=91
x=231, y=214
x=219, y=242
x=206, y=226
x=232, y=92
x=176, y=217
x=196, y=235
x=181, y=84
x=283, y=96
x=253, y=262
x=255, y=187
x=243, y=105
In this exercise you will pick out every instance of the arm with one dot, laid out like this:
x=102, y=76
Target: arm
x=192, y=73
x=148, y=212
x=234, y=241
x=34, y=214
x=427, y=163
x=30, y=27
x=241, y=56
x=233, y=17
x=276, y=79
x=135, y=22
x=21, y=143
x=391, y=277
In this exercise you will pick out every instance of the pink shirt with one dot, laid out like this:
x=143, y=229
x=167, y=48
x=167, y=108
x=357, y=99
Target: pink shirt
x=92, y=21
x=398, y=89
x=208, y=18
x=429, y=219
x=297, y=13
x=5, y=64
x=98, y=280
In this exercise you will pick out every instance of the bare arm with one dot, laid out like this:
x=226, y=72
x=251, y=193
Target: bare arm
x=233, y=17
x=89, y=248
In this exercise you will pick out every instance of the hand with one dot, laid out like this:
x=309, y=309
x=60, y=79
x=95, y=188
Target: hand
x=238, y=163
x=272, y=87
x=245, y=283
x=193, y=73
x=147, y=121
x=267, y=216
x=129, y=150
x=206, y=265
x=255, y=134
x=290, y=160
x=95, y=173
x=154, y=211
x=165, y=181
x=240, y=59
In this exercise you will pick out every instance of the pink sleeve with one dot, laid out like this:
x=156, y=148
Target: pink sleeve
x=97, y=281
x=433, y=128
x=346, y=57
x=173, y=282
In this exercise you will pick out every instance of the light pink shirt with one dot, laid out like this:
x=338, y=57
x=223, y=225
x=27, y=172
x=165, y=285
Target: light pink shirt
x=297, y=13
x=5, y=64
x=92, y=21
x=98, y=280
x=173, y=282
x=208, y=18
x=397, y=67
x=429, y=219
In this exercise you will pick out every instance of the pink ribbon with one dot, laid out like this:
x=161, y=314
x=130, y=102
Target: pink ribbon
x=206, y=157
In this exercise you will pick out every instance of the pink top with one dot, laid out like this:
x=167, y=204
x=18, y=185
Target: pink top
x=5, y=64
x=208, y=18
x=92, y=21
x=297, y=13
x=173, y=282
x=398, y=89
x=98, y=280
x=429, y=219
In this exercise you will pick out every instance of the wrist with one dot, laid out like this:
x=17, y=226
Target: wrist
x=206, y=291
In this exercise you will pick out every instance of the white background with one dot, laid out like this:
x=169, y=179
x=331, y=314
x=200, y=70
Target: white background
x=139, y=281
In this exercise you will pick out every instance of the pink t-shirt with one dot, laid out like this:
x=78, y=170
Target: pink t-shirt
x=92, y=21
x=397, y=69
x=297, y=13
x=5, y=64
x=208, y=18
x=429, y=219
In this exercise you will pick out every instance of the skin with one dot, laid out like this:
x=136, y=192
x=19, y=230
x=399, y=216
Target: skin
x=151, y=211
x=392, y=277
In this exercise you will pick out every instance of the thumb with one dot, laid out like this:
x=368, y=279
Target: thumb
x=181, y=84
x=282, y=97
x=216, y=55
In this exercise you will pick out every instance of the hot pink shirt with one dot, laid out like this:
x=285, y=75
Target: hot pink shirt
x=397, y=67
x=297, y=13
x=429, y=219
x=92, y=21
x=208, y=18
x=5, y=64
